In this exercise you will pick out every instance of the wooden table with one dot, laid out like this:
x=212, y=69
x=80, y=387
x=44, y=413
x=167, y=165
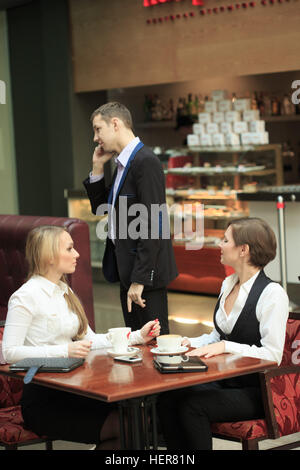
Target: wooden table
x=135, y=386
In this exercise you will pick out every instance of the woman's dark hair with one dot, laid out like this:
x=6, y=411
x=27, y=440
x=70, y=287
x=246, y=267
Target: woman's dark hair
x=259, y=236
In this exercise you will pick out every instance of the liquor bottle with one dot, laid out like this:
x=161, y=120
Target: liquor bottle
x=185, y=107
x=267, y=105
x=171, y=113
x=157, y=109
x=275, y=106
x=285, y=108
x=179, y=108
x=261, y=104
x=190, y=104
x=196, y=106
x=201, y=104
x=254, y=104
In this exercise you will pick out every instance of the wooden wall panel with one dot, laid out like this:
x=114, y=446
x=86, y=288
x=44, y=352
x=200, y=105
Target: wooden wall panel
x=114, y=47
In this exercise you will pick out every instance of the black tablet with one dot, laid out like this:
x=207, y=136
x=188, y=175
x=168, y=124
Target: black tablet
x=48, y=364
x=187, y=364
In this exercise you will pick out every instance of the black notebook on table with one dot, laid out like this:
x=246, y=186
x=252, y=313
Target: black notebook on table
x=188, y=364
x=45, y=364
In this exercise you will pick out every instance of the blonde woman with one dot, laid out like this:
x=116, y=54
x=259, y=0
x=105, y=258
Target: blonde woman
x=46, y=319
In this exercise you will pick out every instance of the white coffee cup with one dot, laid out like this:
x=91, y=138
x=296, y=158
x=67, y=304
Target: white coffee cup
x=119, y=338
x=167, y=343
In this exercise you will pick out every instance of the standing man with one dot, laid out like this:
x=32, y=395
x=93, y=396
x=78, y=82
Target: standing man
x=142, y=259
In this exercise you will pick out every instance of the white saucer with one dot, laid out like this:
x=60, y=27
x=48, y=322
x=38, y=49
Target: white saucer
x=129, y=353
x=181, y=350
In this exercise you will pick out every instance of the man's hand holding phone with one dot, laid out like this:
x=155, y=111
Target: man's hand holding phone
x=100, y=157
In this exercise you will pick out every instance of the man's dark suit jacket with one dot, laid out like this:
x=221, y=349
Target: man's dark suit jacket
x=150, y=261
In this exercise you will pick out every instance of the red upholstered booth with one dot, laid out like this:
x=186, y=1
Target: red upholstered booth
x=13, y=268
x=199, y=270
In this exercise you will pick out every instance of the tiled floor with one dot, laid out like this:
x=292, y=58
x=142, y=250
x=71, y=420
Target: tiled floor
x=108, y=314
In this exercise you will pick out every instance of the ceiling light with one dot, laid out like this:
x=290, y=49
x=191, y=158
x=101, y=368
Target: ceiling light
x=187, y=321
x=208, y=323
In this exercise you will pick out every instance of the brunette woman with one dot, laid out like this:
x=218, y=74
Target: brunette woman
x=250, y=320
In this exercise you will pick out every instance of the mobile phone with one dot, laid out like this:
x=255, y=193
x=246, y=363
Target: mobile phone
x=128, y=359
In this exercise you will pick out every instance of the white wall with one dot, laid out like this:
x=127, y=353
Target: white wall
x=267, y=210
x=8, y=184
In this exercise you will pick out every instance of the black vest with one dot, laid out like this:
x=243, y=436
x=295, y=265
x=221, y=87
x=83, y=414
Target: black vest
x=246, y=329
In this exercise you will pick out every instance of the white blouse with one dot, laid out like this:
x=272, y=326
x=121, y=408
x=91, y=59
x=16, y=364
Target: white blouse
x=40, y=324
x=272, y=312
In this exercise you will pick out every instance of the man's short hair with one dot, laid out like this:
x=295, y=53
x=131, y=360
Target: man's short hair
x=114, y=109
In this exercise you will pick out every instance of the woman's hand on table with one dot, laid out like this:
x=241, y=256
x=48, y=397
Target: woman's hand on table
x=150, y=330
x=186, y=342
x=79, y=348
x=209, y=350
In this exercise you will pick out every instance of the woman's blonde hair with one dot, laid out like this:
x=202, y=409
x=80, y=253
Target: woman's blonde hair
x=42, y=245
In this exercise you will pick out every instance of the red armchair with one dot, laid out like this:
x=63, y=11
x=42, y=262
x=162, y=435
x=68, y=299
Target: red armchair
x=12, y=432
x=199, y=270
x=13, y=271
x=281, y=395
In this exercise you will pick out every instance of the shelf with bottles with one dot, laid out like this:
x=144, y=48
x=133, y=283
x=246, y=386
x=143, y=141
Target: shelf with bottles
x=172, y=124
x=163, y=112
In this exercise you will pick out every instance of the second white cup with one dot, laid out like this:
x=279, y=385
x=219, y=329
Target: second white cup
x=166, y=343
x=119, y=338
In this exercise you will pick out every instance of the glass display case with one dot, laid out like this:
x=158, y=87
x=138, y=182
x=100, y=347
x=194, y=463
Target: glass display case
x=80, y=208
x=214, y=177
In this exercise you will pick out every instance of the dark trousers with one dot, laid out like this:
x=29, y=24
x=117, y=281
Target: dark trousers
x=63, y=415
x=156, y=307
x=185, y=415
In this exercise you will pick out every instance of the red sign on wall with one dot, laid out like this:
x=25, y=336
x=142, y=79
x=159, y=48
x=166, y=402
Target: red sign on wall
x=152, y=3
